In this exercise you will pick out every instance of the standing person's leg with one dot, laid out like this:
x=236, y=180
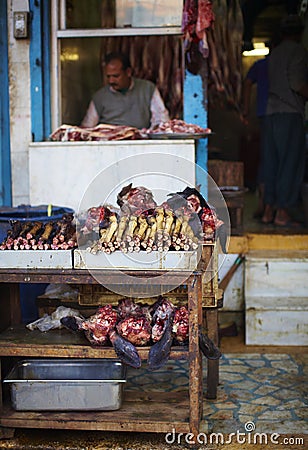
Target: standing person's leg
x=260, y=177
x=291, y=148
x=270, y=168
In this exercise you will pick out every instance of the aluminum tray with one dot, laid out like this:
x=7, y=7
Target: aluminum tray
x=36, y=259
x=171, y=260
x=178, y=135
x=67, y=384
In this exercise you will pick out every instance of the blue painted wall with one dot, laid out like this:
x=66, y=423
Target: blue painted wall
x=5, y=161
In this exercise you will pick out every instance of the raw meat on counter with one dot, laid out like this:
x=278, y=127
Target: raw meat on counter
x=135, y=200
x=178, y=126
x=102, y=132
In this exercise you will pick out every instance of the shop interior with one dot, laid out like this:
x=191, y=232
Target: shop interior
x=161, y=59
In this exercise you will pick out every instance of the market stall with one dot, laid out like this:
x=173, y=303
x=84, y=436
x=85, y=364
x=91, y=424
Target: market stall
x=181, y=235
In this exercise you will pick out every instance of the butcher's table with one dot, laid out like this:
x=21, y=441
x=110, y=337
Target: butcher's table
x=143, y=412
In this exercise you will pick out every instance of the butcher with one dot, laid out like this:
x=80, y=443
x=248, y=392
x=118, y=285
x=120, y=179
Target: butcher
x=125, y=100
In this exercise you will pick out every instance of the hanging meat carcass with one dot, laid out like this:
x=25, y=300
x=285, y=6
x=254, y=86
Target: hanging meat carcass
x=225, y=39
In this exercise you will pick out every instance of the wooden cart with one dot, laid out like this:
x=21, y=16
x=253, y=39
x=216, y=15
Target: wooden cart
x=143, y=412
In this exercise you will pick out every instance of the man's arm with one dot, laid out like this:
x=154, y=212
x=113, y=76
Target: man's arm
x=158, y=109
x=91, y=118
x=250, y=80
x=298, y=73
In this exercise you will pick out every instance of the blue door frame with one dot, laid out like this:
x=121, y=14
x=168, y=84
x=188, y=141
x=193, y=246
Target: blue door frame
x=195, y=111
x=5, y=153
x=40, y=70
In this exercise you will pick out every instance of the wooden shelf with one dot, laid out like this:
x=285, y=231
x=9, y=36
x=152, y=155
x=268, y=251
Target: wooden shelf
x=141, y=412
x=19, y=341
x=74, y=276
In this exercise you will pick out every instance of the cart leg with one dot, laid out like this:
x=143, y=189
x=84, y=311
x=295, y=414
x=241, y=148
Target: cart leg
x=212, y=365
x=195, y=359
x=10, y=305
x=5, y=433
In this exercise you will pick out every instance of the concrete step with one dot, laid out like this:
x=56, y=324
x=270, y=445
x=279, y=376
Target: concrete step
x=276, y=274
x=276, y=289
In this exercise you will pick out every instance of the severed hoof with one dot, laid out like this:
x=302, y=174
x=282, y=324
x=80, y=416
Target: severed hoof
x=71, y=323
x=208, y=347
x=126, y=351
x=159, y=352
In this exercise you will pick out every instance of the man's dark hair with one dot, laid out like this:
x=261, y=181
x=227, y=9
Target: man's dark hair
x=119, y=57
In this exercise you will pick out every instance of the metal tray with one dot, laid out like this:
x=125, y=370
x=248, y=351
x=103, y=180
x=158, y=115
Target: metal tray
x=178, y=135
x=170, y=260
x=67, y=384
x=36, y=259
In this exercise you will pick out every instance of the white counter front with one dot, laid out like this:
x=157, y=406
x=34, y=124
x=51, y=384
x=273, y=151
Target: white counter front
x=84, y=174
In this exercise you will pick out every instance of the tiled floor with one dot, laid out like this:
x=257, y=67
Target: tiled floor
x=260, y=392
x=267, y=390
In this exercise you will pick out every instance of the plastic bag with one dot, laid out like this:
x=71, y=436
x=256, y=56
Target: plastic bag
x=51, y=322
x=61, y=291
